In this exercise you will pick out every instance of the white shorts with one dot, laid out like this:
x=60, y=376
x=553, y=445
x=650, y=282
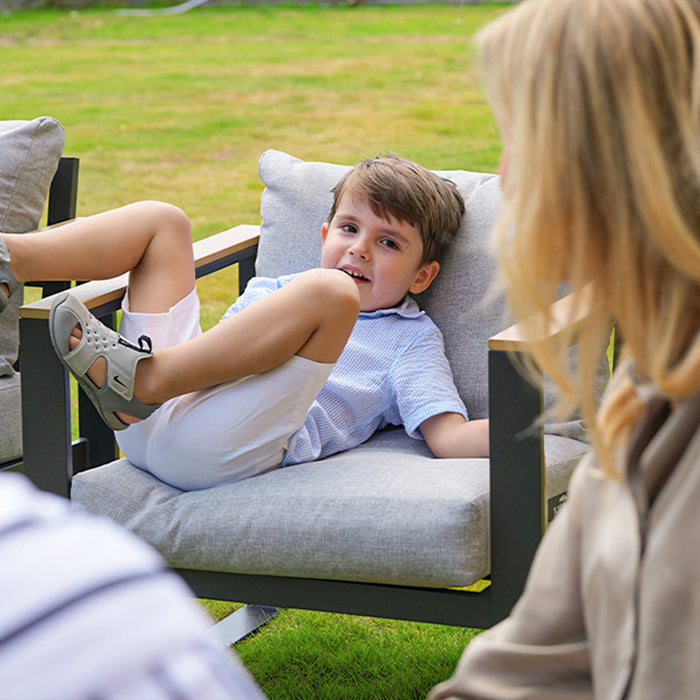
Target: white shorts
x=227, y=433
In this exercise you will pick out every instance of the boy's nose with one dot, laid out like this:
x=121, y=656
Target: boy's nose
x=359, y=250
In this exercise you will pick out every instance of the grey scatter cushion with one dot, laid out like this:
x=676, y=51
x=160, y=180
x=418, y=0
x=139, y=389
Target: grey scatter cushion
x=29, y=155
x=295, y=203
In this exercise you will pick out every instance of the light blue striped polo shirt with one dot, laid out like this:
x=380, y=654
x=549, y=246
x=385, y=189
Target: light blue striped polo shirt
x=393, y=371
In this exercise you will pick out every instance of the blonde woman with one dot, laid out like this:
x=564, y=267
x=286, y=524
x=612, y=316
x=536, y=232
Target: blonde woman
x=598, y=102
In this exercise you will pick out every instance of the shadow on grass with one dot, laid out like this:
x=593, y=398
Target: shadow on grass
x=304, y=654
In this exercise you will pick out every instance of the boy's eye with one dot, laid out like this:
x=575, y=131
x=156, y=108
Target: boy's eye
x=349, y=228
x=389, y=243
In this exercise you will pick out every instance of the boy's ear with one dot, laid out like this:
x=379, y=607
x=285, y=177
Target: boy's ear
x=424, y=277
x=324, y=231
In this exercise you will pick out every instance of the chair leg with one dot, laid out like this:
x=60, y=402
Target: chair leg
x=243, y=622
x=48, y=455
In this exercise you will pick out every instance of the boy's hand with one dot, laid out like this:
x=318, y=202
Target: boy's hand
x=450, y=435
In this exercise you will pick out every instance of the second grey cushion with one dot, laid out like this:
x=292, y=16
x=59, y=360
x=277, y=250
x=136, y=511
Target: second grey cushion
x=29, y=155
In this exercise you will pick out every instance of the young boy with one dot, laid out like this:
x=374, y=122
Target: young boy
x=292, y=373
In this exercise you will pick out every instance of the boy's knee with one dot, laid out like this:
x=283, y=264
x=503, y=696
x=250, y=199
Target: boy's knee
x=174, y=218
x=335, y=288
x=165, y=217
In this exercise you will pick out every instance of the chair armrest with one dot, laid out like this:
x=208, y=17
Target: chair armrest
x=569, y=313
x=210, y=254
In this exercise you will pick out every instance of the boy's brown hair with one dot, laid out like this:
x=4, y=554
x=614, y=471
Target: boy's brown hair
x=400, y=188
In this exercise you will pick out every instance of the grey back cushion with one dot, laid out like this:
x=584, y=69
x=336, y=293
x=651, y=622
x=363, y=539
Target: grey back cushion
x=295, y=203
x=29, y=155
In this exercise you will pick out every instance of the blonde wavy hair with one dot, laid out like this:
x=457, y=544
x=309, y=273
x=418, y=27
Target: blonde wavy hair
x=598, y=102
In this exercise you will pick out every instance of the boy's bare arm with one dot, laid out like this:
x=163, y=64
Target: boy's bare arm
x=450, y=435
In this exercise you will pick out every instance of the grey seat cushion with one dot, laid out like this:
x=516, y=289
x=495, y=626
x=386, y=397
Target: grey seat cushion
x=29, y=155
x=386, y=511
x=11, y=402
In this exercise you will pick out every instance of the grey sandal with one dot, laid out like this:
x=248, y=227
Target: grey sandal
x=117, y=392
x=6, y=276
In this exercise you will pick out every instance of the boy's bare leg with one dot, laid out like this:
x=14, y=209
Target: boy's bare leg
x=150, y=240
x=311, y=317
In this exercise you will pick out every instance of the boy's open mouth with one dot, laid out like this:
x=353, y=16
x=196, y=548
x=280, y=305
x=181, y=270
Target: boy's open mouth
x=354, y=274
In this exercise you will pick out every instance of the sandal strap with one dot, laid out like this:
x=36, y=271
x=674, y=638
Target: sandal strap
x=97, y=340
x=121, y=356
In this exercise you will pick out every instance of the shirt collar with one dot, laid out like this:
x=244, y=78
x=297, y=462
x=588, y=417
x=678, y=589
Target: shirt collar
x=408, y=308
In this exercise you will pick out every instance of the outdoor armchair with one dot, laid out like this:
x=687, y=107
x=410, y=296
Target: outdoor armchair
x=384, y=529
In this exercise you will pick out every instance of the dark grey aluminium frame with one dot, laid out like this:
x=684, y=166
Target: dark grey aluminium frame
x=517, y=514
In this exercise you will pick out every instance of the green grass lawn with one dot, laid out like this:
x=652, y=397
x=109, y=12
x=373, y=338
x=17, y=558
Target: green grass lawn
x=180, y=108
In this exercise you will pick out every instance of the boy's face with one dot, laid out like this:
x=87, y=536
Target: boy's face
x=382, y=256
